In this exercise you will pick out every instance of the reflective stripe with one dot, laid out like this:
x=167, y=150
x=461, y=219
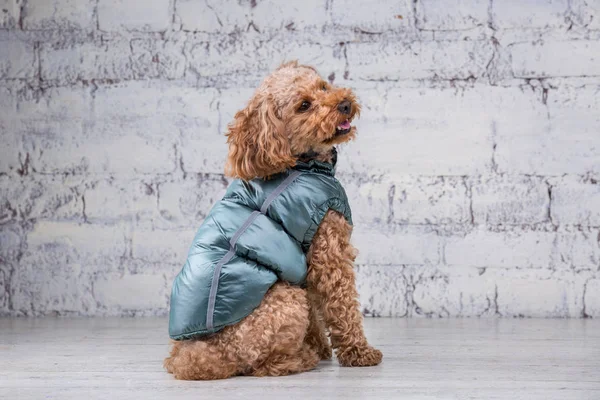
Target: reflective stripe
x=278, y=191
x=212, y=296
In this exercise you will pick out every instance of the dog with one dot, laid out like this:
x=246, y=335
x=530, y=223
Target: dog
x=294, y=119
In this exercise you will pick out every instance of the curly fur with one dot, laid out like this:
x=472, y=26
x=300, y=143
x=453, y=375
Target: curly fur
x=287, y=333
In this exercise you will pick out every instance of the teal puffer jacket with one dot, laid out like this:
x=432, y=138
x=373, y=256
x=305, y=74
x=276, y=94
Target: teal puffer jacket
x=257, y=234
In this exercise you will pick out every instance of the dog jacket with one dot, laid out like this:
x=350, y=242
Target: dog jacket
x=257, y=234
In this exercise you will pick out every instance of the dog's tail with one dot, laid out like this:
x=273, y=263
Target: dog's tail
x=199, y=360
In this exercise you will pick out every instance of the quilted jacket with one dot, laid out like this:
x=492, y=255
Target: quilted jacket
x=257, y=234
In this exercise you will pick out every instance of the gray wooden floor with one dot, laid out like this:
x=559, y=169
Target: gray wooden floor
x=423, y=359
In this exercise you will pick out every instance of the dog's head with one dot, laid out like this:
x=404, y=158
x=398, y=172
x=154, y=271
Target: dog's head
x=293, y=112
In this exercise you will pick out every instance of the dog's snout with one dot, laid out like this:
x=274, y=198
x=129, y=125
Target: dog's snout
x=344, y=107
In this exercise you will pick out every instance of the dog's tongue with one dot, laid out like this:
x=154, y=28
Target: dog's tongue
x=344, y=125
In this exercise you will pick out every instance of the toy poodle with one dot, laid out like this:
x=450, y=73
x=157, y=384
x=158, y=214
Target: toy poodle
x=269, y=287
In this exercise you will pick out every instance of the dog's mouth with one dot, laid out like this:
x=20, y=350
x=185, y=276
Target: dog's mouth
x=343, y=129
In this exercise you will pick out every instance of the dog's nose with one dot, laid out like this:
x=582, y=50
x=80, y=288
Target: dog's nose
x=344, y=107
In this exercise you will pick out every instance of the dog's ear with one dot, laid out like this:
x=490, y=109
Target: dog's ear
x=257, y=143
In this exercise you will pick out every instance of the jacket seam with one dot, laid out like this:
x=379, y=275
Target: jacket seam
x=318, y=208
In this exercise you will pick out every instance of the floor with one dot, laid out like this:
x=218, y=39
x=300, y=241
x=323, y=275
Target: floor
x=57, y=358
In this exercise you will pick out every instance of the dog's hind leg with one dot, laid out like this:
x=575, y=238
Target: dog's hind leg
x=269, y=341
x=200, y=360
x=279, y=364
x=274, y=334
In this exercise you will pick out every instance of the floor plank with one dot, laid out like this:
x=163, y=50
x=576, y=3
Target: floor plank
x=119, y=358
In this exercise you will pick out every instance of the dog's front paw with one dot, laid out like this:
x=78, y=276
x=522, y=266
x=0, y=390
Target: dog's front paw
x=318, y=340
x=359, y=356
x=325, y=352
x=321, y=346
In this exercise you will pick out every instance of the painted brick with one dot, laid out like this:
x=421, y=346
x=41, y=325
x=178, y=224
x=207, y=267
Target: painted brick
x=226, y=57
x=372, y=15
x=202, y=145
x=135, y=130
x=586, y=13
x=451, y=15
x=326, y=58
x=497, y=202
x=113, y=155
x=382, y=290
x=61, y=289
x=185, y=204
x=541, y=294
x=420, y=60
x=72, y=62
x=530, y=14
x=134, y=15
x=556, y=58
x=9, y=139
x=212, y=16
x=52, y=129
x=56, y=243
x=501, y=249
x=230, y=101
x=578, y=249
x=392, y=245
x=59, y=14
x=162, y=246
x=576, y=203
x=592, y=298
x=109, y=202
x=17, y=58
x=8, y=212
x=275, y=15
x=160, y=117
x=370, y=199
x=28, y=198
x=431, y=201
x=532, y=141
x=53, y=105
x=5, y=291
x=8, y=101
x=10, y=241
x=131, y=292
x=130, y=100
x=424, y=132
x=439, y=295
x=10, y=12
x=154, y=59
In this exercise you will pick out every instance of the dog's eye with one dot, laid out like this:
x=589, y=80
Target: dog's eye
x=324, y=88
x=304, y=106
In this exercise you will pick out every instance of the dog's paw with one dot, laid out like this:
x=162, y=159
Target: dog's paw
x=359, y=357
x=325, y=352
x=320, y=343
x=323, y=349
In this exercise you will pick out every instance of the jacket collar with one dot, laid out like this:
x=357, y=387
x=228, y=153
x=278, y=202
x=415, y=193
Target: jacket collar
x=313, y=165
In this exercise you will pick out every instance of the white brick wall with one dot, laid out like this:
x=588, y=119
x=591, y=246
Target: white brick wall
x=17, y=57
x=134, y=15
x=443, y=15
x=59, y=14
x=519, y=14
x=474, y=181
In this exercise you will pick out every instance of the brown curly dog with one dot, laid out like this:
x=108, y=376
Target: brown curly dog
x=292, y=115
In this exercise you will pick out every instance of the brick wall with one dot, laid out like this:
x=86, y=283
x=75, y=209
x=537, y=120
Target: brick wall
x=474, y=180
